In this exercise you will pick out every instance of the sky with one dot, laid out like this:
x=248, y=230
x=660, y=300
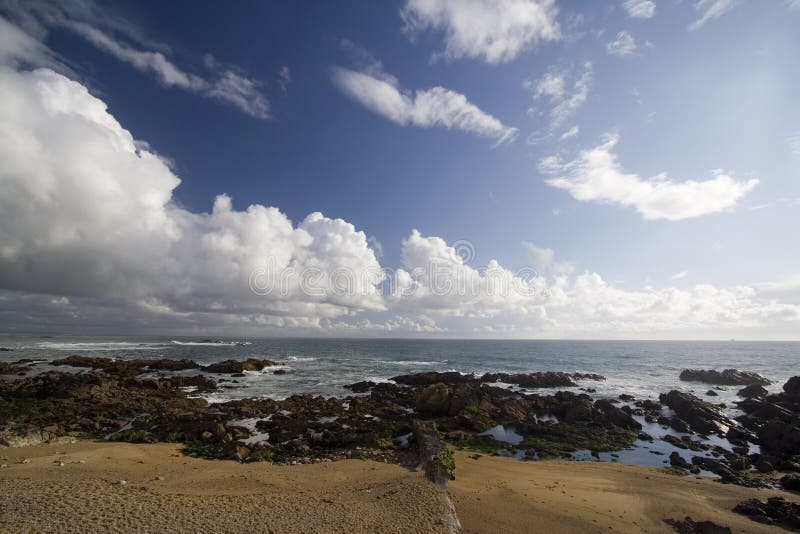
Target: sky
x=625, y=169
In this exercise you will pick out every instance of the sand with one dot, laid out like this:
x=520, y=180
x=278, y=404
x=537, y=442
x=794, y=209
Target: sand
x=168, y=492
x=498, y=495
x=199, y=495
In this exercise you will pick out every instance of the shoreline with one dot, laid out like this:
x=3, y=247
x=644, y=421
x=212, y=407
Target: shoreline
x=166, y=490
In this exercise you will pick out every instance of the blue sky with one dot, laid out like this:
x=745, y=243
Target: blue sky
x=652, y=144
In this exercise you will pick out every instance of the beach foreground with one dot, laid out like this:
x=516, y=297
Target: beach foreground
x=167, y=491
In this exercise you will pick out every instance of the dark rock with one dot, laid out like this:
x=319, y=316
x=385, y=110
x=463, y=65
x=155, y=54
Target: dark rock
x=435, y=458
x=235, y=366
x=279, y=372
x=728, y=377
x=775, y=511
x=361, y=387
x=424, y=379
x=690, y=526
x=791, y=482
x=701, y=416
x=8, y=368
x=711, y=393
x=685, y=442
x=715, y=466
x=676, y=460
x=753, y=391
x=616, y=416
x=548, y=379
x=625, y=397
x=792, y=387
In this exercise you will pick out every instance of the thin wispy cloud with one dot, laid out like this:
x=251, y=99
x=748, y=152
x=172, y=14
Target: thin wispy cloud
x=381, y=93
x=495, y=31
x=223, y=83
x=563, y=90
x=710, y=10
x=679, y=276
x=623, y=45
x=596, y=176
x=642, y=9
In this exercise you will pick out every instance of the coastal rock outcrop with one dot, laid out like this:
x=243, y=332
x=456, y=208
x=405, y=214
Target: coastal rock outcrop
x=701, y=416
x=236, y=366
x=774, y=511
x=727, y=377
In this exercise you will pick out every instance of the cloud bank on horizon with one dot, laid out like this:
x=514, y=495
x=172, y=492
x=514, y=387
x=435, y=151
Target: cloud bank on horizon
x=92, y=233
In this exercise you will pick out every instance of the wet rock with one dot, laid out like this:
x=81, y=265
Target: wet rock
x=424, y=379
x=728, y=377
x=690, y=526
x=753, y=391
x=616, y=416
x=626, y=398
x=775, y=511
x=676, y=460
x=701, y=416
x=685, y=442
x=711, y=393
x=548, y=379
x=715, y=466
x=792, y=388
x=279, y=372
x=361, y=387
x=235, y=366
x=8, y=368
x=791, y=482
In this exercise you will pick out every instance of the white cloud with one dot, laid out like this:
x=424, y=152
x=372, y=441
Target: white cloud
x=623, y=45
x=793, y=4
x=564, y=90
x=435, y=283
x=710, y=10
x=425, y=108
x=16, y=46
x=569, y=134
x=642, y=9
x=596, y=176
x=680, y=276
x=86, y=212
x=493, y=30
x=794, y=141
x=225, y=84
x=543, y=259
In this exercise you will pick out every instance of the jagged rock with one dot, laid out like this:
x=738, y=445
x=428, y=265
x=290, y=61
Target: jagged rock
x=615, y=415
x=775, y=511
x=715, y=466
x=728, y=377
x=8, y=368
x=711, y=393
x=548, y=379
x=424, y=379
x=791, y=482
x=685, y=442
x=690, y=526
x=235, y=366
x=792, y=387
x=361, y=387
x=625, y=397
x=436, y=460
x=701, y=416
x=676, y=460
x=753, y=391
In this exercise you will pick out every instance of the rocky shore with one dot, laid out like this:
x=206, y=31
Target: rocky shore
x=145, y=401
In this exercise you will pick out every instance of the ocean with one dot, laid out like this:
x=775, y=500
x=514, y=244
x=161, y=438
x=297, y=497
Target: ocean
x=323, y=366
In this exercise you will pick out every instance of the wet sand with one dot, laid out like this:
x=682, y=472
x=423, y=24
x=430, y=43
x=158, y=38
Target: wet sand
x=498, y=495
x=166, y=491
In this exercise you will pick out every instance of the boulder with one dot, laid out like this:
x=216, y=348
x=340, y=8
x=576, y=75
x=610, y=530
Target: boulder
x=361, y=387
x=792, y=387
x=424, y=379
x=791, y=482
x=690, y=526
x=728, y=377
x=753, y=391
x=676, y=460
x=775, y=511
x=235, y=366
x=615, y=415
x=700, y=415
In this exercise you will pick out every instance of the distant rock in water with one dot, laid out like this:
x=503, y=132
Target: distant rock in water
x=728, y=377
x=753, y=391
x=235, y=366
x=548, y=379
x=126, y=367
x=424, y=379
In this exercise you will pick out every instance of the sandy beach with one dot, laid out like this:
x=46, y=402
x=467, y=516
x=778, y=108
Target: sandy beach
x=167, y=491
